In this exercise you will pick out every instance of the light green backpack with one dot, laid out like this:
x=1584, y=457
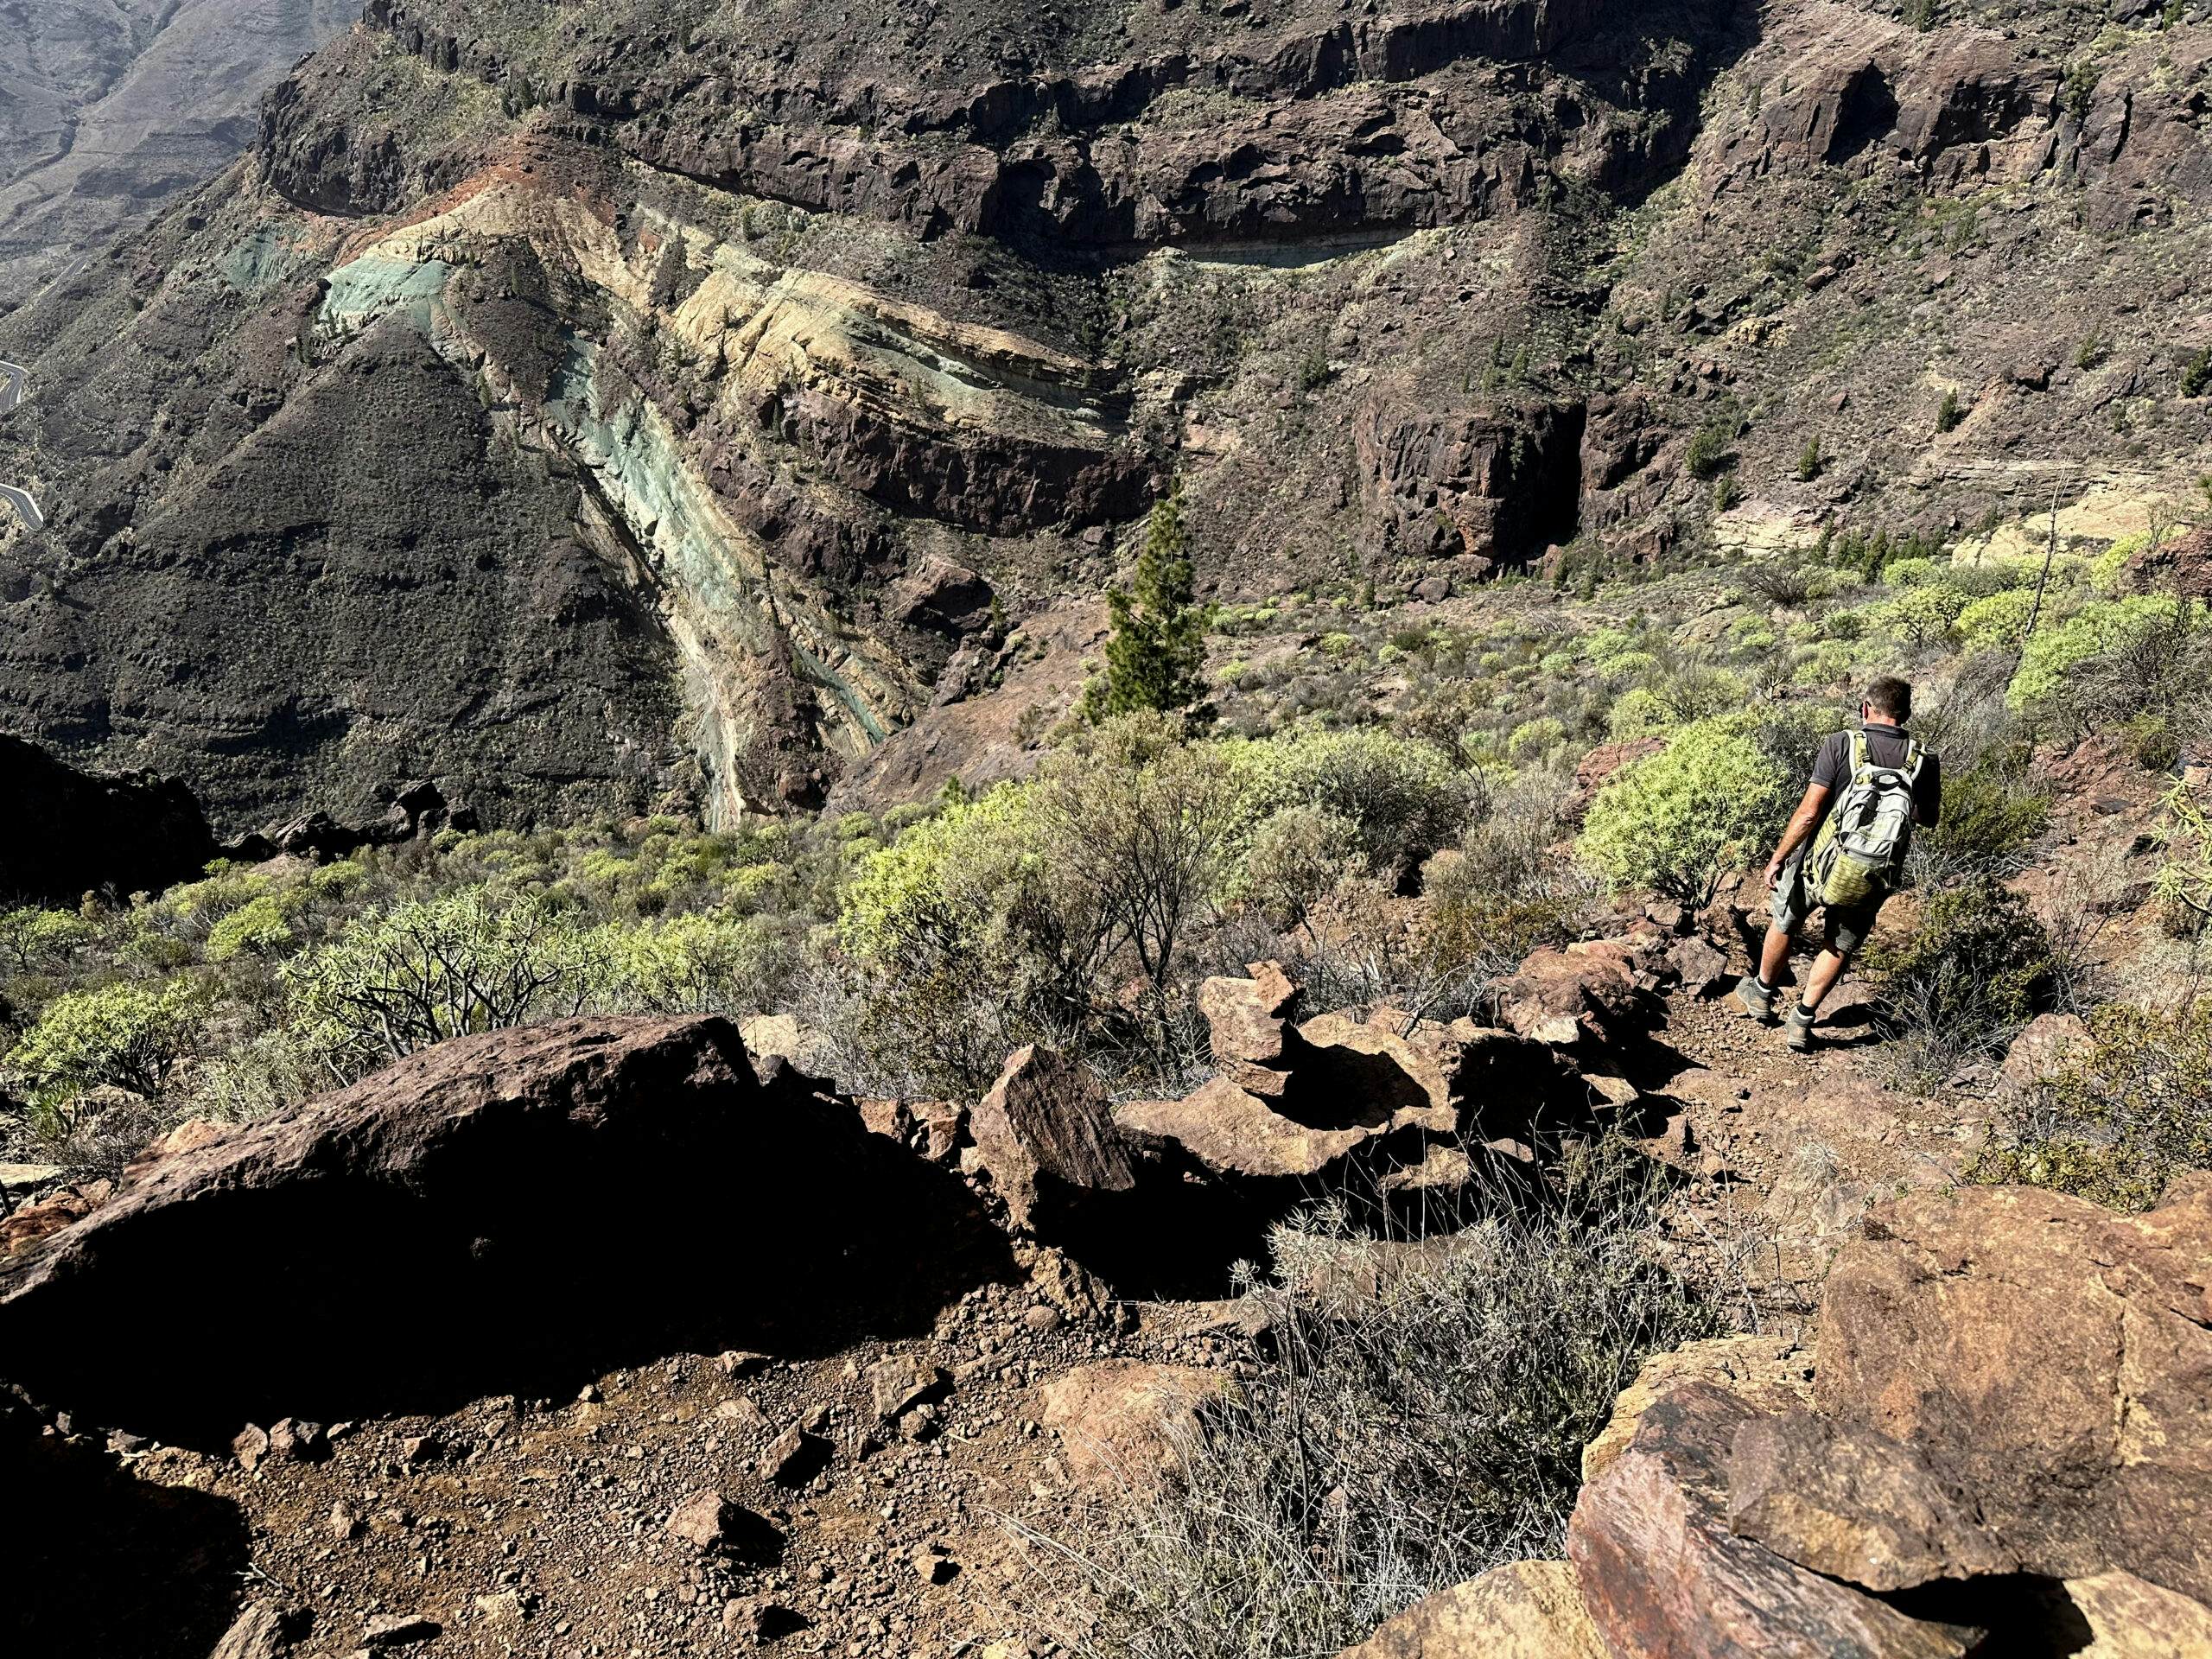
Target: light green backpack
x=1859, y=853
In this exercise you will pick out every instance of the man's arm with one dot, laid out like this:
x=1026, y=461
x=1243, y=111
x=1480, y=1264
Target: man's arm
x=1802, y=823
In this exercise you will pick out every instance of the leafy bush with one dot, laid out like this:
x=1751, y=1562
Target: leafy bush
x=1978, y=967
x=36, y=938
x=1405, y=799
x=2094, y=630
x=1396, y=1439
x=1997, y=622
x=2183, y=889
x=1681, y=820
x=1156, y=658
x=2116, y=1125
x=124, y=1036
x=1990, y=812
x=420, y=972
x=1707, y=452
x=259, y=926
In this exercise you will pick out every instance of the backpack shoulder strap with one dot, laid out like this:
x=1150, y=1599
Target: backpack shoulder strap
x=1915, y=758
x=1859, y=754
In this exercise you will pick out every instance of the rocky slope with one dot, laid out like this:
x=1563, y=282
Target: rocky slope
x=589, y=407
x=110, y=109
x=521, y=1346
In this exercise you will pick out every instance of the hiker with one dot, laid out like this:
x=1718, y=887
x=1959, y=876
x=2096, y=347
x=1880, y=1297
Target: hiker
x=1869, y=787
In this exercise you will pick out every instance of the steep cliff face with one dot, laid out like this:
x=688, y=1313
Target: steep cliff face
x=600, y=405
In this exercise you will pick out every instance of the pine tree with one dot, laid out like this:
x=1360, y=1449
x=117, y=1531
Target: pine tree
x=1156, y=658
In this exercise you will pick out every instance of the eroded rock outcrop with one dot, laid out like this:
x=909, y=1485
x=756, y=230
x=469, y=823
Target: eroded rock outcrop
x=494, y=1210
x=65, y=832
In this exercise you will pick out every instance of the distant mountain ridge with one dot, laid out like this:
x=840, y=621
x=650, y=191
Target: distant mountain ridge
x=110, y=109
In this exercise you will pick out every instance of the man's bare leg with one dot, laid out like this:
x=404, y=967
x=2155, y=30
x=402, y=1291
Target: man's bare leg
x=1774, y=957
x=1827, y=968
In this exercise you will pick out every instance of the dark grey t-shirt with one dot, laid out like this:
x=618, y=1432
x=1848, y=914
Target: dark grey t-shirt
x=1886, y=746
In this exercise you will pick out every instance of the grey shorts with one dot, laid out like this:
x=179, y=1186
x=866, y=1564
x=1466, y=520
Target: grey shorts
x=1843, y=929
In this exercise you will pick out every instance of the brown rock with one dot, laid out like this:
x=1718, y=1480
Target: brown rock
x=2130, y=1619
x=250, y=1445
x=1663, y=1578
x=1852, y=1504
x=188, y=1136
x=1233, y=1133
x=398, y=1630
x=2053, y=1362
x=1704, y=970
x=1248, y=1017
x=794, y=1457
x=1593, y=991
x=1353, y=1073
x=1046, y=1134
x=256, y=1633
x=1525, y=1610
x=1769, y=1374
x=1123, y=1422
x=742, y=1413
x=898, y=1383
x=438, y=1201
x=2050, y=1043
x=702, y=1520
x=56, y=1213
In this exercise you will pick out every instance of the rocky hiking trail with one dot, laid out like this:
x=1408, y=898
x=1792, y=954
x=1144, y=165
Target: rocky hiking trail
x=609, y=1338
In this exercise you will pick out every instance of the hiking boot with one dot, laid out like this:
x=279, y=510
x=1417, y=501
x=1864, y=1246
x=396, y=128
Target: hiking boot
x=1757, y=1000
x=1797, y=1030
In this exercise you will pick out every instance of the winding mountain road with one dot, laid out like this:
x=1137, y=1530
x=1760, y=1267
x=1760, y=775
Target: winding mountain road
x=11, y=393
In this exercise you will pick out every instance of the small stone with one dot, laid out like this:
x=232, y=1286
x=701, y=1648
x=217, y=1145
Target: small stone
x=345, y=1521
x=935, y=1564
x=250, y=1445
x=1041, y=1319
x=418, y=1449
x=742, y=1411
x=739, y=1362
x=502, y=1610
x=702, y=1520
x=793, y=1458
x=398, y=1629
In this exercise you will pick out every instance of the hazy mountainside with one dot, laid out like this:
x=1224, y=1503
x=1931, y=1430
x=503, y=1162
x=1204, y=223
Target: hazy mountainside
x=110, y=108
x=599, y=407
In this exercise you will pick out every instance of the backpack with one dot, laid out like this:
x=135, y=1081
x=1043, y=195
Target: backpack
x=1859, y=853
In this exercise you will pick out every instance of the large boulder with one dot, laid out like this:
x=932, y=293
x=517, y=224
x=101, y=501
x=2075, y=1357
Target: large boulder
x=2052, y=1362
x=1524, y=1610
x=1231, y=1132
x=1046, y=1133
x=497, y=1214
x=1596, y=992
x=1664, y=1577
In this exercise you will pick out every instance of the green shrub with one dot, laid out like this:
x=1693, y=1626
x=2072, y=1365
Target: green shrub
x=260, y=927
x=1680, y=821
x=1707, y=452
x=1921, y=615
x=124, y=1036
x=36, y=938
x=1979, y=967
x=1809, y=461
x=1406, y=798
x=2117, y=1123
x=421, y=971
x=1991, y=811
x=2196, y=376
x=1639, y=712
x=2094, y=630
x=1953, y=414
x=1996, y=622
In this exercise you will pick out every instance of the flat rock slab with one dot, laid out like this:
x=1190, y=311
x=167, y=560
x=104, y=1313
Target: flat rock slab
x=1123, y=1424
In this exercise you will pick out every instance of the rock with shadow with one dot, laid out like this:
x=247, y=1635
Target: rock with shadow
x=84, y=1528
x=498, y=1214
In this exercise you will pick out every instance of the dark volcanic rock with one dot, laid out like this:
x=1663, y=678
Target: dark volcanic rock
x=488, y=1216
x=64, y=832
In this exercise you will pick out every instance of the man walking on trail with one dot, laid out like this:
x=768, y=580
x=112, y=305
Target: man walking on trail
x=1843, y=851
